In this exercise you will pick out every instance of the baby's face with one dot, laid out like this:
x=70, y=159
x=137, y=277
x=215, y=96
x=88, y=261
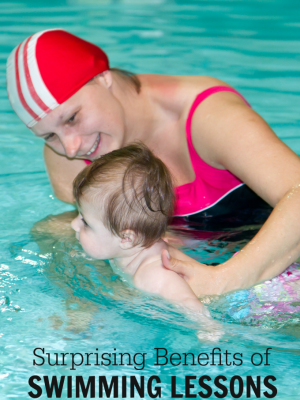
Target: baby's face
x=97, y=241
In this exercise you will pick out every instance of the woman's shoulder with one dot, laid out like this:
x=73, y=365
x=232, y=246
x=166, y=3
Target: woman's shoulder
x=176, y=93
x=212, y=113
x=201, y=81
x=181, y=86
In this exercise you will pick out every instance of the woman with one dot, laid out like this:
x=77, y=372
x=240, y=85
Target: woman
x=214, y=144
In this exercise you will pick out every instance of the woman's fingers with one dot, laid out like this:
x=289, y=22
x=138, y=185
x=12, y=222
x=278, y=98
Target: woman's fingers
x=165, y=257
x=202, y=279
x=178, y=266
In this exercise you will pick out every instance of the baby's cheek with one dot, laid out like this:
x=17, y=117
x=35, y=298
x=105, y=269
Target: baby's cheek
x=89, y=246
x=83, y=240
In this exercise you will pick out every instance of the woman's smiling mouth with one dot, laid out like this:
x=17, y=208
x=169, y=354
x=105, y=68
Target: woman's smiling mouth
x=94, y=146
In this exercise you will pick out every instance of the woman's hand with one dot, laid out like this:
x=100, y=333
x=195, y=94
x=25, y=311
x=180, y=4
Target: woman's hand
x=203, y=279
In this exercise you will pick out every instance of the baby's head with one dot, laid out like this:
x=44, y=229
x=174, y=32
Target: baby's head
x=125, y=199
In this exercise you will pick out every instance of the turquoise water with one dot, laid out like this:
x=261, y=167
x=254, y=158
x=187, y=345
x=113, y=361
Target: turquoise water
x=56, y=298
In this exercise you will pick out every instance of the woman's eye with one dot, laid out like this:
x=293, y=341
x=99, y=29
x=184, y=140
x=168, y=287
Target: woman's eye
x=49, y=137
x=72, y=118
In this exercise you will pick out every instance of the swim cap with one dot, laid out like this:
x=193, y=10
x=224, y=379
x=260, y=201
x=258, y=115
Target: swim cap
x=46, y=69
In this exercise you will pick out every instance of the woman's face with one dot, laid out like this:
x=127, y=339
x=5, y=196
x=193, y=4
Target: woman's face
x=89, y=124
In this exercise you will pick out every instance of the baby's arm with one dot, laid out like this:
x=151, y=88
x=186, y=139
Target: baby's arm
x=154, y=278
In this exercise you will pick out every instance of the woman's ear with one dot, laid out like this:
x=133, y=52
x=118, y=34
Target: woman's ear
x=128, y=238
x=105, y=78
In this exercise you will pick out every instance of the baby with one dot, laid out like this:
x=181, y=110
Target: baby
x=125, y=199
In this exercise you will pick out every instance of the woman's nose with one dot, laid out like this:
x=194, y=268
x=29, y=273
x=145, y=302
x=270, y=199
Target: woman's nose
x=71, y=144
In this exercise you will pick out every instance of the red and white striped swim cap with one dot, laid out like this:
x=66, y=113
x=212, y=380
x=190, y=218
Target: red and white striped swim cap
x=47, y=69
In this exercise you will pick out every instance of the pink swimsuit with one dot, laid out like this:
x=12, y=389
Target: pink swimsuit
x=214, y=192
x=211, y=184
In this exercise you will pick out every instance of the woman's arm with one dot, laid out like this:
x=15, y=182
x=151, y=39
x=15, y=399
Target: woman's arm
x=235, y=138
x=61, y=172
x=52, y=229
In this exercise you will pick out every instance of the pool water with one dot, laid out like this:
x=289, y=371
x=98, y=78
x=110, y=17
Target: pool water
x=52, y=296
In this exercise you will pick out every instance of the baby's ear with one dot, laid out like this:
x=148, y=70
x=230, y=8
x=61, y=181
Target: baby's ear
x=128, y=238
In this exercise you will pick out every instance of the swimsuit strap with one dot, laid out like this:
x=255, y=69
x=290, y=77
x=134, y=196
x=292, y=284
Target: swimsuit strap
x=210, y=184
x=202, y=96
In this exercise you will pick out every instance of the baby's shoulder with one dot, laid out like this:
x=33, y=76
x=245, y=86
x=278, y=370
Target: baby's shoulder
x=151, y=277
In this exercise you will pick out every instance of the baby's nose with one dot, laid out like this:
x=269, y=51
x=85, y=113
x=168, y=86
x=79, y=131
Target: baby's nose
x=75, y=224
